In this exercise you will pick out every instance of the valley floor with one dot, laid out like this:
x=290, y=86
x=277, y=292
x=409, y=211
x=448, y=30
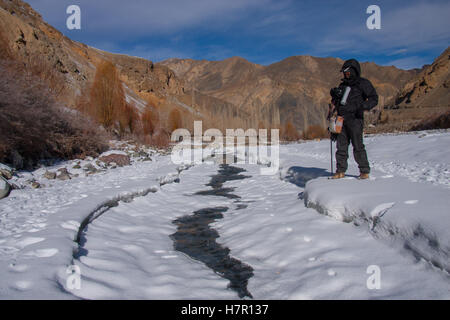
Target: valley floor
x=291, y=235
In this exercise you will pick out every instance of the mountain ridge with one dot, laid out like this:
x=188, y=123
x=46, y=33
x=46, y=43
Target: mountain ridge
x=229, y=93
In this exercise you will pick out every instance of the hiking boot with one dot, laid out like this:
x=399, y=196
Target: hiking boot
x=338, y=175
x=363, y=176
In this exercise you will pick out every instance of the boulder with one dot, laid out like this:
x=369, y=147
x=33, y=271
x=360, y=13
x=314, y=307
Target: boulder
x=49, y=175
x=35, y=185
x=120, y=159
x=6, y=172
x=4, y=188
x=63, y=174
x=90, y=168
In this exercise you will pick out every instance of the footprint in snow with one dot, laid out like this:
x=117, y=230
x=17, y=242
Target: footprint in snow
x=18, y=267
x=23, y=285
x=71, y=225
x=42, y=253
x=169, y=257
x=331, y=272
x=28, y=241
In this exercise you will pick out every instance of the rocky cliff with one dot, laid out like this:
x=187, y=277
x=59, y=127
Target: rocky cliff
x=430, y=88
x=423, y=102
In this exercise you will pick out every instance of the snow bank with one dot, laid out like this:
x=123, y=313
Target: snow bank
x=110, y=152
x=415, y=215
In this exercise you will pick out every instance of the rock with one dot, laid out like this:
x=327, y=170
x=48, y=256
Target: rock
x=77, y=166
x=143, y=154
x=6, y=172
x=100, y=164
x=120, y=159
x=49, y=175
x=4, y=188
x=63, y=176
x=35, y=185
x=15, y=186
x=90, y=168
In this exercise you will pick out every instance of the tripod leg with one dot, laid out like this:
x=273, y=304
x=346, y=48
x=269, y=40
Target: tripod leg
x=331, y=148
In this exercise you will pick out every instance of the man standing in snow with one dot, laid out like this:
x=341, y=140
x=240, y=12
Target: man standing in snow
x=362, y=97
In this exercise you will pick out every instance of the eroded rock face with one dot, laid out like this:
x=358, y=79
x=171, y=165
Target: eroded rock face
x=430, y=88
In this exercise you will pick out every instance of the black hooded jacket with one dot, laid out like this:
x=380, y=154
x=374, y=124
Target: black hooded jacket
x=363, y=95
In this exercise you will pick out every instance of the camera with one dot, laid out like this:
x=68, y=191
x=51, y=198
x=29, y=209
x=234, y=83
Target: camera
x=337, y=93
x=340, y=95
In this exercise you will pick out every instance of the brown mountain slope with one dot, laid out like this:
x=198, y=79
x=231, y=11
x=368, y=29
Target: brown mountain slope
x=39, y=45
x=424, y=102
x=430, y=88
x=295, y=89
x=233, y=93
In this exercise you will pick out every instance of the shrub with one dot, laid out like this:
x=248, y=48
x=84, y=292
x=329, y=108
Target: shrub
x=33, y=127
x=128, y=119
x=150, y=121
x=107, y=97
x=441, y=121
x=174, y=121
x=315, y=132
x=290, y=133
x=160, y=139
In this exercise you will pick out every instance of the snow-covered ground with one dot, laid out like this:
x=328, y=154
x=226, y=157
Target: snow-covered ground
x=304, y=236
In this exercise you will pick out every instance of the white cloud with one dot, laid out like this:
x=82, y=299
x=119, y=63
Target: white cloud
x=408, y=62
x=419, y=26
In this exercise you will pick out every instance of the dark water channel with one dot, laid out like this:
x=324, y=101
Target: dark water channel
x=197, y=239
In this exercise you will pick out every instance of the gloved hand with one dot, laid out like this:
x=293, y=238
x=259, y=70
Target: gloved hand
x=333, y=136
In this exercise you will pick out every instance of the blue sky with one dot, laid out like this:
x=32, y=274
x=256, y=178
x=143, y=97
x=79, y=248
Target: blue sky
x=413, y=33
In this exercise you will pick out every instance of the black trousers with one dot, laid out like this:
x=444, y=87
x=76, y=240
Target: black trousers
x=352, y=131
